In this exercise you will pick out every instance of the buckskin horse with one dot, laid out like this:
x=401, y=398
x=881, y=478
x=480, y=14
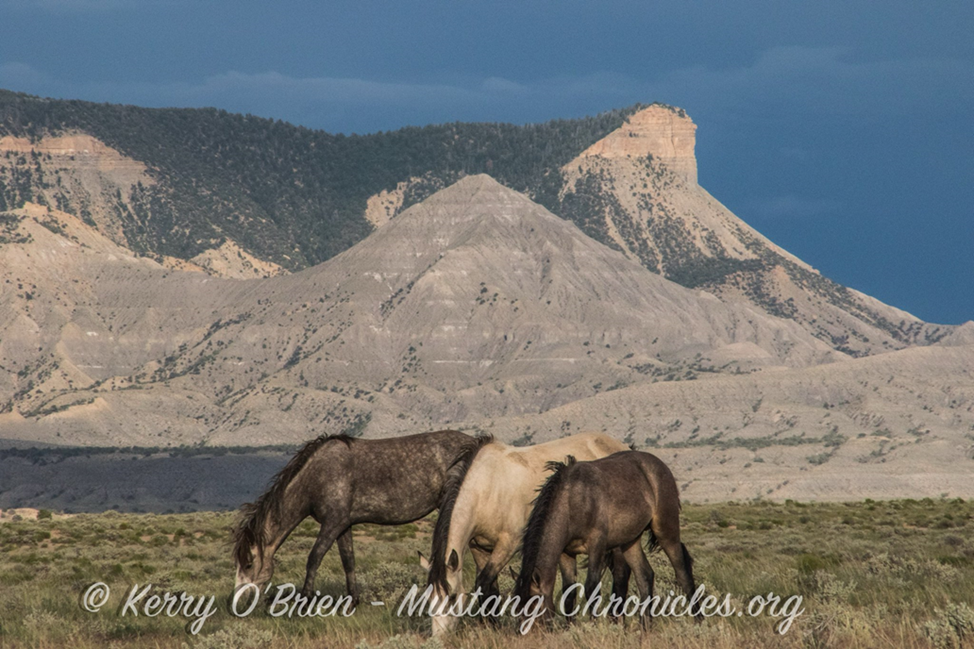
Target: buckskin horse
x=486, y=508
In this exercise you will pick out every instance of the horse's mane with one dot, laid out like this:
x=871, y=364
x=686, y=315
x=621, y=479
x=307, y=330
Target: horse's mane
x=534, y=530
x=451, y=489
x=249, y=529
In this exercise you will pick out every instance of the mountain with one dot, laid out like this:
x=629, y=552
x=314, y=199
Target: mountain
x=476, y=308
x=76, y=308
x=636, y=190
x=179, y=182
x=192, y=277
x=474, y=303
x=202, y=186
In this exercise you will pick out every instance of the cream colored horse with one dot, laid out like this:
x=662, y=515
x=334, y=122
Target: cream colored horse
x=489, y=511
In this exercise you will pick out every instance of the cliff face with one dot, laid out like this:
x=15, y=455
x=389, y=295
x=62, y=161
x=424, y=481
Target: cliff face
x=666, y=133
x=83, y=150
x=75, y=173
x=636, y=190
x=81, y=177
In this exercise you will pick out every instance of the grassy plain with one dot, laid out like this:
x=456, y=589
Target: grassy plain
x=872, y=574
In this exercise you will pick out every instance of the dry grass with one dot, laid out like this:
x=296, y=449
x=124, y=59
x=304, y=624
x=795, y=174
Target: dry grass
x=897, y=573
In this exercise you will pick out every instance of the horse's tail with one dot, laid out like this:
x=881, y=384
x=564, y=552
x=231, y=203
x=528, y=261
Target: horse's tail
x=448, y=499
x=687, y=559
x=652, y=543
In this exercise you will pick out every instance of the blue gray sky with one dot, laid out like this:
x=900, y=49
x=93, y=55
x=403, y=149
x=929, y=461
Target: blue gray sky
x=842, y=131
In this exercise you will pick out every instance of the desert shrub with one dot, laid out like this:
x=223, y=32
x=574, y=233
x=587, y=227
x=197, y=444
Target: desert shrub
x=237, y=636
x=952, y=627
x=826, y=586
x=389, y=581
x=886, y=565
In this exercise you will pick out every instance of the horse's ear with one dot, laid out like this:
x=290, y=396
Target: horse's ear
x=454, y=562
x=423, y=562
x=514, y=574
x=536, y=578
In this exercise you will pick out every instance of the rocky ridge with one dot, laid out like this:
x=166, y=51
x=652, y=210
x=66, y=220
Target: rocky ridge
x=636, y=191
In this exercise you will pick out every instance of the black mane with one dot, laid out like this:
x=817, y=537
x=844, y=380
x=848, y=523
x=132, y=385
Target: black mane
x=534, y=530
x=249, y=530
x=451, y=489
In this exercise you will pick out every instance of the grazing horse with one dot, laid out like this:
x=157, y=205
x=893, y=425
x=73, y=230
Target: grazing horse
x=342, y=481
x=591, y=507
x=486, y=508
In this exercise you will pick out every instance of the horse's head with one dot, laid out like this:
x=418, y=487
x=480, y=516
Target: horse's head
x=447, y=583
x=253, y=556
x=255, y=565
x=535, y=597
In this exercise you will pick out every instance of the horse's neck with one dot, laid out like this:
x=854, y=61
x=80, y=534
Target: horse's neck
x=554, y=539
x=494, y=501
x=463, y=521
x=278, y=527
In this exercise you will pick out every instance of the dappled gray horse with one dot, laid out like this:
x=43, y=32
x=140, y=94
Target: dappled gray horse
x=341, y=481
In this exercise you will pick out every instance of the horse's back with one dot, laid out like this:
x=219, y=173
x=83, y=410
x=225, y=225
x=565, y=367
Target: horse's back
x=394, y=479
x=503, y=480
x=516, y=468
x=423, y=443
x=582, y=446
x=623, y=475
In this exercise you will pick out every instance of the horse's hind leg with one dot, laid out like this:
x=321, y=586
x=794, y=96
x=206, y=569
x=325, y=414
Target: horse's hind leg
x=682, y=564
x=347, y=553
x=326, y=536
x=635, y=558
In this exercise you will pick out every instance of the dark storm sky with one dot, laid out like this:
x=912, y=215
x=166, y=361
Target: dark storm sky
x=844, y=132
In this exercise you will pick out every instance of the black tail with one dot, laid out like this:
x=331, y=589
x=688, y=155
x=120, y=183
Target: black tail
x=688, y=563
x=687, y=559
x=652, y=543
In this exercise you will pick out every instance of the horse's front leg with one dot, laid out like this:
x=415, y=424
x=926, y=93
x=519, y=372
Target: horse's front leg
x=326, y=536
x=620, y=577
x=569, y=574
x=487, y=577
x=593, y=580
x=348, y=564
x=480, y=559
